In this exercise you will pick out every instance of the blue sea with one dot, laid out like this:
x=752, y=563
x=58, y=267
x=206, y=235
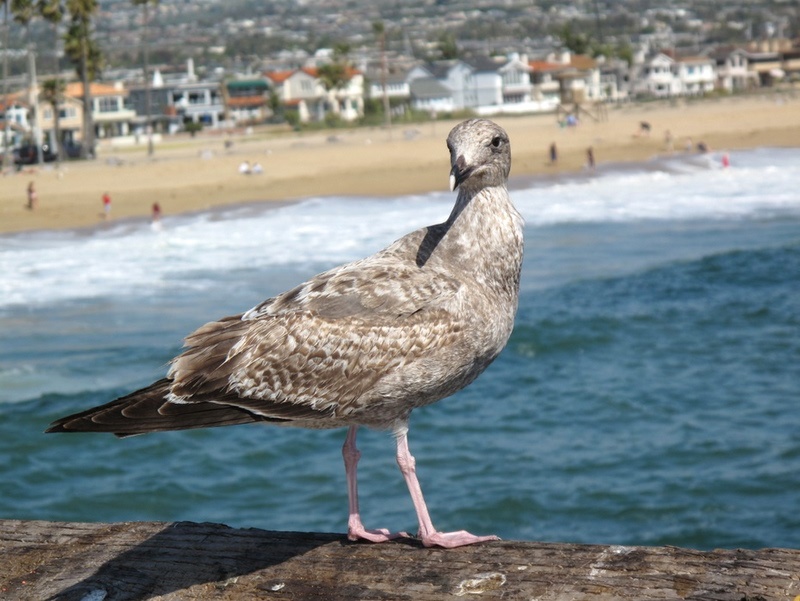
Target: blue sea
x=649, y=395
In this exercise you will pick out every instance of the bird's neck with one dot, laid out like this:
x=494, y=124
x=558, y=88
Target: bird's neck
x=484, y=234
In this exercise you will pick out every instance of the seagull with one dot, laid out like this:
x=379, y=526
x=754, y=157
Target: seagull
x=362, y=344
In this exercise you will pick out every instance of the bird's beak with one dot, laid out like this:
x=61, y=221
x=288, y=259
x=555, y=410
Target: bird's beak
x=459, y=172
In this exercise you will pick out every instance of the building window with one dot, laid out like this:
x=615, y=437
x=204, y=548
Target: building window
x=108, y=104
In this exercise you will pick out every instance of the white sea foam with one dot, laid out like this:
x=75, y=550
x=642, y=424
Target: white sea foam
x=128, y=258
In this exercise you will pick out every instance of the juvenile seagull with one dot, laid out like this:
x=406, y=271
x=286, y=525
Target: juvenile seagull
x=362, y=344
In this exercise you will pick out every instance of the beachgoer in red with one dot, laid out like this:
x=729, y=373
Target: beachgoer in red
x=106, y=206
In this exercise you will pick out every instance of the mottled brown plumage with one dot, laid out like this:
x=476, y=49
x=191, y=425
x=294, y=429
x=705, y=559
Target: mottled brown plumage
x=364, y=343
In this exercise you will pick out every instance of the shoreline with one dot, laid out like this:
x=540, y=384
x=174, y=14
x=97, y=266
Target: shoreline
x=196, y=175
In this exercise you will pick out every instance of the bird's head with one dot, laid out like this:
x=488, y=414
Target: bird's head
x=480, y=154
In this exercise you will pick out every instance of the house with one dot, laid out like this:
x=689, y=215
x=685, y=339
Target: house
x=247, y=100
x=589, y=81
x=615, y=80
x=456, y=75
x=302, y=90
x=70, y=120
x=515, y=78
x=766, y=66
x=398, y=87
x=696, y=75
x=197, y=102
x=110, y=113
x=15, y=112
x=485, y=85
x=733, y=70
x=791, y=63
x=668, y=74
x=428, y=94
x=162, y=113
x=658, y=78
x=545, y=82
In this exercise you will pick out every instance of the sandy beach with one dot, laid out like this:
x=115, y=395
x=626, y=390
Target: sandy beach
x=192, y=174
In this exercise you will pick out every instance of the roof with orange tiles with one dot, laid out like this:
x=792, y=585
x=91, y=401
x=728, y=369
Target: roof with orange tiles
x=279, y=76
x=546, y=66
x=75, y=90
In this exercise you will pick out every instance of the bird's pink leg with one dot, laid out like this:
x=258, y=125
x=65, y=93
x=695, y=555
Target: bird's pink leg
x=355, y=529
x=429, y=535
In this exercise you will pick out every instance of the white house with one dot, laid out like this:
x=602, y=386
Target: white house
x=658, y=78
x=457, y=76
x=733, y=71
x=664, y=76
x=199, y=102
x=398, y=87
x=516, y=83
x=302, y=90
x=430, y=95
x=696, y=75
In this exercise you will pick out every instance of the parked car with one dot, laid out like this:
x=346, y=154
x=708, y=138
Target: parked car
x=28, y=155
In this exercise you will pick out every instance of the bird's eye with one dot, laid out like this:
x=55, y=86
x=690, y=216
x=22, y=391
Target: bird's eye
x=496, y=141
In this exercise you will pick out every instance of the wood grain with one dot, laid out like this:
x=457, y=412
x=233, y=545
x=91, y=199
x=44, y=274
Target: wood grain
x=179, y=561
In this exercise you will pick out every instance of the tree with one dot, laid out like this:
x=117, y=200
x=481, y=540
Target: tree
x=53, y=12
x=86, y=56
x=53, y=93
x=575, y=42
x=447, y=46
x=335, y=75
x=23, y=11
x=145, y=4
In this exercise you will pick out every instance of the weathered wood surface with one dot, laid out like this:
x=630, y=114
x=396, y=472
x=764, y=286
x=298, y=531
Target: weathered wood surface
x=180, y=561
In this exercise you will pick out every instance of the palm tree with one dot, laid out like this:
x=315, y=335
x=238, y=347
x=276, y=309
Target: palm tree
x=53, y=12
x=145, y=4
x=53, y=93
x=86, y=56
x=24, y=11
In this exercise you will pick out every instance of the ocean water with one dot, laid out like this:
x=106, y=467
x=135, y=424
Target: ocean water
x=650, y=392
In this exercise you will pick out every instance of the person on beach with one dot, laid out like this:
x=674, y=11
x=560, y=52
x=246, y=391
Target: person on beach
x=156, y=214
x=33, y=199
x=244, y=168
x=590, y=158
x=106, y=206
x=553, y=154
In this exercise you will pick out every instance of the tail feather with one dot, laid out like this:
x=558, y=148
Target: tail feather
x=147, y=410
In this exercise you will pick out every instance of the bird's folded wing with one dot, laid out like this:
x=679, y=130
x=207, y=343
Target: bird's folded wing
x=320, y=349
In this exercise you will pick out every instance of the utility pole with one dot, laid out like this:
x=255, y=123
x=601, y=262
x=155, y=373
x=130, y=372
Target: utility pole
x=379, y=29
